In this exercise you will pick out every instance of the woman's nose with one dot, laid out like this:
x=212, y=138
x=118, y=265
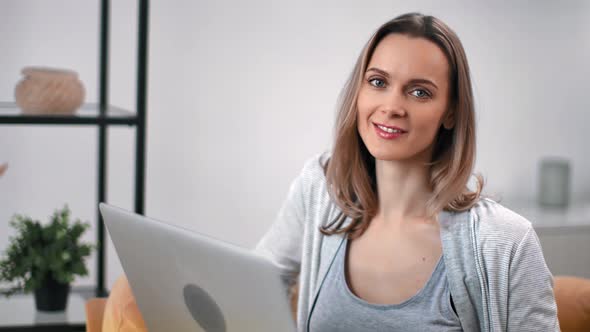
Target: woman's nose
x=394, y=104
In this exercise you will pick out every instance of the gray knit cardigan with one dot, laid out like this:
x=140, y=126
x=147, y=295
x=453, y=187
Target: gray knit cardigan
x=495, y=267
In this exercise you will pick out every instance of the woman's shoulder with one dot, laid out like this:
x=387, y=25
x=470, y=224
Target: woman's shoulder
x=313, y=167
x=498, y=223
x=312, y=175
x=314, y=186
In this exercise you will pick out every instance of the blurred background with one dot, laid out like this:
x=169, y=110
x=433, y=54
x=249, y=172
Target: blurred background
x=241, y=93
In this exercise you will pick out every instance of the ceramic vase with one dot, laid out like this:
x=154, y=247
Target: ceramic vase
x=49, y=91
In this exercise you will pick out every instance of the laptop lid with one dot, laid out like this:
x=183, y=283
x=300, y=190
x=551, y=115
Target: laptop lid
x=187, y=281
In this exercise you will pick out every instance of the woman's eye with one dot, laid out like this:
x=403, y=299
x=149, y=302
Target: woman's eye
x=420, y=93
x=376, y=82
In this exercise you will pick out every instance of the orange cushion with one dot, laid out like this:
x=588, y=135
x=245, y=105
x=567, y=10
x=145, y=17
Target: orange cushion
x=572, y=295
x=121, y=313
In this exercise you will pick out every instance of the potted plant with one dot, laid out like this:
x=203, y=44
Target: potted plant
x=45, y=259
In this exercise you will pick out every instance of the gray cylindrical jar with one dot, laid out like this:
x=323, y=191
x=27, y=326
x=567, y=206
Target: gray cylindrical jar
x=554, y=182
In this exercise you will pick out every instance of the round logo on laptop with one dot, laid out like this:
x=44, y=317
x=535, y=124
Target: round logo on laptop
x=204, y=309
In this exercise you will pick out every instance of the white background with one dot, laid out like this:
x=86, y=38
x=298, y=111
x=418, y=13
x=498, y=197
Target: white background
x=241, y=93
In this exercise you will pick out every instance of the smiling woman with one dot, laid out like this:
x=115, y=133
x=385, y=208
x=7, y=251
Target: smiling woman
x=412, y=76
x=383, y=232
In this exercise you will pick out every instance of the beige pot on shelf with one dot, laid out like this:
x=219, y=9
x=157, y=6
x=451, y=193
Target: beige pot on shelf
x=45, y=90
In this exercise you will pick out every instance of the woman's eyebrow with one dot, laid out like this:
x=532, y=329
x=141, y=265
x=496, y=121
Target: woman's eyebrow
x=414, y=80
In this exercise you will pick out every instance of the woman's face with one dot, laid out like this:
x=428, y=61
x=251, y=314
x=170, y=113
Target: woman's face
x=405, y=86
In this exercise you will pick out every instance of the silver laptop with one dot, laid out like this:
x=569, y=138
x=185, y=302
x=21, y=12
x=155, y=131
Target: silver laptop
x=185, y=281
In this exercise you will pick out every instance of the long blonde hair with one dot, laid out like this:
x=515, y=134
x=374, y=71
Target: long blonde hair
x=350, y=171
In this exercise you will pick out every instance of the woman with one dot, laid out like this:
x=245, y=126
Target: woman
x=383, y=233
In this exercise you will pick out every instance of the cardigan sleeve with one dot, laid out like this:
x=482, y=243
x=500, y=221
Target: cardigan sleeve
x=531, y=301
x=282, y=242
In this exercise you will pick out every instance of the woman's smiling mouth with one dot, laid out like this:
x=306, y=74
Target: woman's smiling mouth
x=388, y=132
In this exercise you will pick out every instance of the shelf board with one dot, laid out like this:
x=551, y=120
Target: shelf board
x=574, y=217
x=88, y=114
x=18, y=313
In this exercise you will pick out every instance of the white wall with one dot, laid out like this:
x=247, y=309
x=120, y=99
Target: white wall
x=241, y=93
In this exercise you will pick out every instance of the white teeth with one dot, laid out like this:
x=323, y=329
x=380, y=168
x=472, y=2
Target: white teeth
x=389, y=130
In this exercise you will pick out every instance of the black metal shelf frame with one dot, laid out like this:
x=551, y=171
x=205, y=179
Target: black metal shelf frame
x=89, y=114
x=103, y=115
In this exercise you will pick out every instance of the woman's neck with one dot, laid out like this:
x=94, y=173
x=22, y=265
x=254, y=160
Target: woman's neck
x=402, y=189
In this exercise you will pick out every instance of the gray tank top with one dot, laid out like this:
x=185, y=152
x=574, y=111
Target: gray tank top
x=338, y=309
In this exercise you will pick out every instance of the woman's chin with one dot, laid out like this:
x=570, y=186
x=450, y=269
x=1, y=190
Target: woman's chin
x=387, y=155
x=394, y=156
